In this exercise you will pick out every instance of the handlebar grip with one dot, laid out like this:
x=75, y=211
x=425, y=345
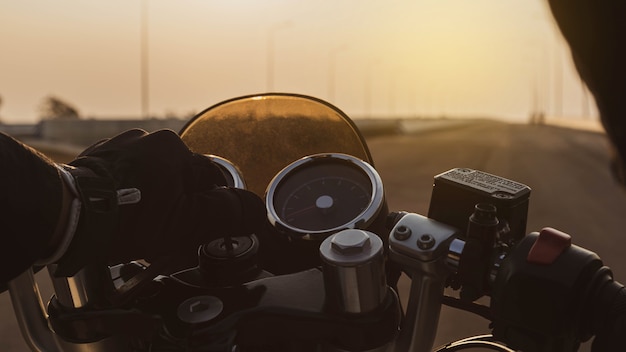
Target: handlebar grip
x=547, y=306
x=608, y=313
x=557, y=304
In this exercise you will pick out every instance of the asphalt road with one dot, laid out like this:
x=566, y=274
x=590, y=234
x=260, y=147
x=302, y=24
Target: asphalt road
x=567, y=170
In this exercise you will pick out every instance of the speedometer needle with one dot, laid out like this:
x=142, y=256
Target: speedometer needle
x=301, y=211
x=323, y=203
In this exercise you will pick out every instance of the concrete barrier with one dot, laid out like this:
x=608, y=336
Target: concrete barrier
x=20, y=130
x=412, y=126
x=87, y=132
x=378, y=127
x=75, y=135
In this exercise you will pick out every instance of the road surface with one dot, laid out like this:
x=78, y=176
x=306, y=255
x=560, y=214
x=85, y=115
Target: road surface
x=567, y=170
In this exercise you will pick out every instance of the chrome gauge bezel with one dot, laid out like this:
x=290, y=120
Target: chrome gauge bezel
x=230, y=169
x=361, y=221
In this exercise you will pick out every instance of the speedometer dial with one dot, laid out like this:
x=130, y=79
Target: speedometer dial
x=321, y=194
x=325, y=202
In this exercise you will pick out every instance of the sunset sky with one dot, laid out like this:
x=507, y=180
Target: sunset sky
x=489, y=58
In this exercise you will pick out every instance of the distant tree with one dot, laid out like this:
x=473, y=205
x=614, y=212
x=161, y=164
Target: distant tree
x=190, y=114
x=53, y=108
x=169, y=114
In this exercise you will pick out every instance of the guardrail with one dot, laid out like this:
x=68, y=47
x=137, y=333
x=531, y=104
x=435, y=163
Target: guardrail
x=72, y=136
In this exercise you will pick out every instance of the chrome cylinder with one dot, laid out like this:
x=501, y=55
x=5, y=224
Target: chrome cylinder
x=354, y=273
x=30, y=313
x=89, y=285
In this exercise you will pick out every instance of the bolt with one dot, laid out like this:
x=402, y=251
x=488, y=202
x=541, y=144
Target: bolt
x=502, y=195
x=200, y=309
x=402, y=233
x=198, y=306
x=426, y=241
x=350, y=242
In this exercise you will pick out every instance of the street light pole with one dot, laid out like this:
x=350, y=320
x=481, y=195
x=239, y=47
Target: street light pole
x=145, y=106
x=270, y=52
x=368, y=88
x=392, y=93
x=332, y=58
x=558, y=83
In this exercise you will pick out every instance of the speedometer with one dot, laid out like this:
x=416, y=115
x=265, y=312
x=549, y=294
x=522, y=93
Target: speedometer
x=322, y=194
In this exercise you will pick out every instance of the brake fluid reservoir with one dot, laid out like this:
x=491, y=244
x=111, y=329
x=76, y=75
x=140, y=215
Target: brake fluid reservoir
x=354, y=273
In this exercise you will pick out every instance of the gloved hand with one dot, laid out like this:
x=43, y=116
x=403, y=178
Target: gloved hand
x=183, y=202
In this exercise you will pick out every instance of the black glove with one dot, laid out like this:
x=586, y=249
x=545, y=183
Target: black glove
x=183, y=201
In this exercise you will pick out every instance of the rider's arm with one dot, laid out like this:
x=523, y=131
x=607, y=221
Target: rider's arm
x=34, y=207
x=138, y=195
x=596, y=34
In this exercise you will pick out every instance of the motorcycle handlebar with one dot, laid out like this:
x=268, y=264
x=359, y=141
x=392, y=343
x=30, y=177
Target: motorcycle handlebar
x=546, y=294
x=559, y=303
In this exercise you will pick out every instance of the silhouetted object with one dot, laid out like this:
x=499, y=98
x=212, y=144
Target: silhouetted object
x=53, y=108
x=537, y=118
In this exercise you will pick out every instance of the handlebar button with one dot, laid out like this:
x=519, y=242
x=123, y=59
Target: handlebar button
x=548, y=247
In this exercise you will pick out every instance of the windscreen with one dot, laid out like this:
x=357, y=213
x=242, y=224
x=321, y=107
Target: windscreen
x=262, y=134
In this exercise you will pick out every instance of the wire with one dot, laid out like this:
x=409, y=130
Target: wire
x=475, y=308
x=483, y=341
